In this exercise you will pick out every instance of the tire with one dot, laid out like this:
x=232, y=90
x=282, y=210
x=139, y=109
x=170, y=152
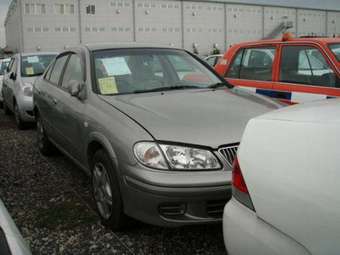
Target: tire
x=46, y=148
x=20, y=124
x=1, y=104
x=102, y=186
x=6, y=109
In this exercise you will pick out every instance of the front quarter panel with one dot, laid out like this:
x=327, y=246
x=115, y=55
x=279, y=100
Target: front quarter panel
x=114, y=130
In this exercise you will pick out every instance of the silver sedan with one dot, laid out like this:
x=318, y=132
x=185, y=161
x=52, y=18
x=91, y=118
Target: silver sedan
x=155, y=128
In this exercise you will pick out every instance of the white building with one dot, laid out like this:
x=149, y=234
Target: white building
x=33, y=25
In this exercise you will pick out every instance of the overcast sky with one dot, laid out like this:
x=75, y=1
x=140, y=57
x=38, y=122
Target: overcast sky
x=322, y=4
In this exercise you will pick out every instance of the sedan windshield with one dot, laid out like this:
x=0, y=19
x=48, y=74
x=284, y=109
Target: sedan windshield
x=150, y=70
x=335, y=48
x=35, y=65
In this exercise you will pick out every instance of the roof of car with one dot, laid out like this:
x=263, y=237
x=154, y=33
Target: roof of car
x=324, y=40
x=38, y=53
x=93, y=47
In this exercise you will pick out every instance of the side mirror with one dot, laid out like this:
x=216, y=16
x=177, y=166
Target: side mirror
x=13, y=76
x=75, y=88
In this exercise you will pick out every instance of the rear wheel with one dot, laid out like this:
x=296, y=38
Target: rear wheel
x=45, y=146
x=106, y=191
x=18, y=121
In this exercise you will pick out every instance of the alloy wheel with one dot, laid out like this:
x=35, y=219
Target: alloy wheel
x=102, y=190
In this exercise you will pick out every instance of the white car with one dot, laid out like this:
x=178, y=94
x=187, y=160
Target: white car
x=286, y=184
x=3, y=65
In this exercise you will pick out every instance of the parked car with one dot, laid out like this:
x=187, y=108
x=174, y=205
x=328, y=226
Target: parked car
x=212, y=60
x=21, y=73
x=155, y=128
x=293, y=70
x=11, y=241
x=286, y=183
x=3, y=65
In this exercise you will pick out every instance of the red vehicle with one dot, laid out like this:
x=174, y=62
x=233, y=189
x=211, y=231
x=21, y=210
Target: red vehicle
x=291, y=69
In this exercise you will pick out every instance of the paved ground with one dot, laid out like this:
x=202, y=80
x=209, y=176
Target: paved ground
x=50, y=201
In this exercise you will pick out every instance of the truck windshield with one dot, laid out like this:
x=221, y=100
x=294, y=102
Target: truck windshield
x=128, y=71
x=35, y=65
x=335, y=48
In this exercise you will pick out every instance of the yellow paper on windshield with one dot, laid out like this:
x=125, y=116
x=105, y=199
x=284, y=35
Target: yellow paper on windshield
x=29, y=70
x=108, y=85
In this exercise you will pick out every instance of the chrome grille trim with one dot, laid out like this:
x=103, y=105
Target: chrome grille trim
x=229, y=153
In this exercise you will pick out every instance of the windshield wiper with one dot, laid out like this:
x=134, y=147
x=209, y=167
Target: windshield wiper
x=218, y=85
x=167, y=88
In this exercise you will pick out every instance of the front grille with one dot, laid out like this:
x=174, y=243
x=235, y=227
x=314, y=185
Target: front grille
x=229, y=153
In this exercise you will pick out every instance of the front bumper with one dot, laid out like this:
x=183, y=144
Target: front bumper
x=159, y=199
x=244, y=233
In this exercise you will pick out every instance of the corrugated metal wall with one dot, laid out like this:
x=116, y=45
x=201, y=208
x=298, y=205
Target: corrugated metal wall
x=170, y=22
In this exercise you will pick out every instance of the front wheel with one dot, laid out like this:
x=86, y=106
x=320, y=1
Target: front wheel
x=106, y=191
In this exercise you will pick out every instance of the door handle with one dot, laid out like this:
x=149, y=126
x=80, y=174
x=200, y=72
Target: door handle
x=55, y=101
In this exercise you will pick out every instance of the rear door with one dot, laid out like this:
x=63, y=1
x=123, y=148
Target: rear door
x=49, y=92
x=305, y=74
x=70, y=124
x=253, y=68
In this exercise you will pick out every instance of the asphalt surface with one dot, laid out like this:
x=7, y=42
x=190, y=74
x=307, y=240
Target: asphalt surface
x=50, y=201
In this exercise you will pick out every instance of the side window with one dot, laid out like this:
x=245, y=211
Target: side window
x=257, y=64
x=57, y=69
x=73, y=71
x=234, y=70
x=306, y=65
x=49, y=71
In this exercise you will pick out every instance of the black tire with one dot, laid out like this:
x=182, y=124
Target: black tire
x=117, y=219
x=1, y=104
x=46, y=148
x=6, y=109
x=20, y=124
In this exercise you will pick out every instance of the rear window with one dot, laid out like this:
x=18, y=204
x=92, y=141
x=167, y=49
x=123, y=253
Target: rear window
x=335, y=48
x=35, y=65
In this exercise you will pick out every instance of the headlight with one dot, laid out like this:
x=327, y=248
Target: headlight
x=28, y=90
x=187, y=158
x=149, y=154
x=178, y=157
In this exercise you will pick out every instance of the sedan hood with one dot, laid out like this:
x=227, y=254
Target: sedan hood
x=202, y=117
